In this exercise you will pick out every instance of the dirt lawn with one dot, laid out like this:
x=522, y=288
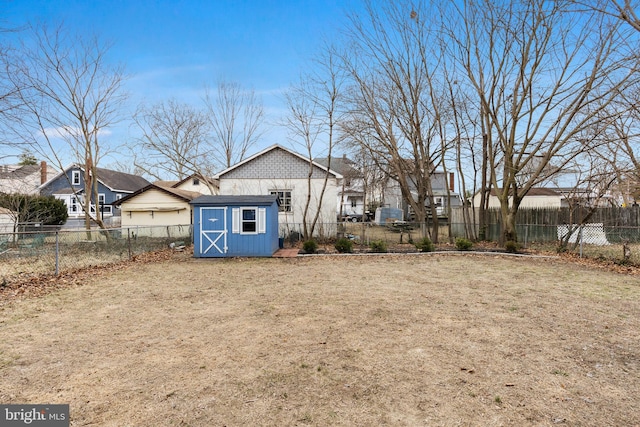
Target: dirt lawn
x=397, y=340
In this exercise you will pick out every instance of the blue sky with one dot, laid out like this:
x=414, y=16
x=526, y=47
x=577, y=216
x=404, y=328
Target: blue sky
x=172, y=49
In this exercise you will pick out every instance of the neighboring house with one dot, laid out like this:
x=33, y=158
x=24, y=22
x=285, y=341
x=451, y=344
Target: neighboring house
x=68, y=186
x=539, y=197
x=24, y=179
x=197, y=183
x=536, y=198
x=285, y=173
x=226, y=226
x=444, y=195
x=7, y=221
x=155, y=205
x=350, y=189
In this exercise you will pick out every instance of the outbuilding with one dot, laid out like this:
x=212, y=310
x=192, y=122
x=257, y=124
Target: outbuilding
x=235, y=226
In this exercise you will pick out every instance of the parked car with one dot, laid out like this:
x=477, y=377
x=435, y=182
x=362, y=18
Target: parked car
x=356, y=217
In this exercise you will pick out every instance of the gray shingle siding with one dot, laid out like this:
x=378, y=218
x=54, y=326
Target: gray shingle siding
x=275, y=164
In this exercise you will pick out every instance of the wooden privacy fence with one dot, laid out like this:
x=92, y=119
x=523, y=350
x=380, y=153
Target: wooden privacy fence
x=547, y=224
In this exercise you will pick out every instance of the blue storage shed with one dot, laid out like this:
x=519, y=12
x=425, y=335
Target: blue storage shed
x=232, y=226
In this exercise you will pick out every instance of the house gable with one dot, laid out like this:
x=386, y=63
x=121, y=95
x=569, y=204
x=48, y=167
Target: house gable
x=197, y=183
x=274, y=163
x=108, y=181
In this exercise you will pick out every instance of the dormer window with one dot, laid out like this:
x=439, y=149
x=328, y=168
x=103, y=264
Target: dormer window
x=75, y=177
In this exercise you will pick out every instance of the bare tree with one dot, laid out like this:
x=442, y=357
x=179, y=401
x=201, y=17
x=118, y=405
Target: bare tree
x=624, y=10
x=9, y=101
x=399, y=109
x=174, y=141
x=314, y=115
x=543, y=75
x=621, y=150
x=69, y=96
x=236, y=116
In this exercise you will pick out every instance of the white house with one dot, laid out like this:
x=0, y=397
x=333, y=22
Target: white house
x=7, y=221
x=536, y=198
x=24, y=179
x=294, y=178
x=350, y=191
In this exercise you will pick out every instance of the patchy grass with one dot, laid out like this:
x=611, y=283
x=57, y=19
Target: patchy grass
x=349, y=340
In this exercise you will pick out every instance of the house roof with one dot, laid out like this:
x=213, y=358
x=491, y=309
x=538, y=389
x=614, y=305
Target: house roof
x=120, y=180
x=114, y=180
x=162, y=183
x=236, y=200
x=17, y=171
x=271, y=148
x=183, y=195
x=342, y=165
x=195, y=175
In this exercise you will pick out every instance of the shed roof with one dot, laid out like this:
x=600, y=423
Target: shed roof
x=183, y=195
x=236, y=200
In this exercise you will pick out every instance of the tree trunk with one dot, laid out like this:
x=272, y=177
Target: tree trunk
x=509, y=233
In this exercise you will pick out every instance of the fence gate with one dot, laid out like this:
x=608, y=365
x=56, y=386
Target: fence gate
x=213, y=230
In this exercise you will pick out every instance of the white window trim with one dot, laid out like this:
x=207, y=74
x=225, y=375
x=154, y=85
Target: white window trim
x=282, y=207
x=236, y=220
x=75, y=177
x=242, y=221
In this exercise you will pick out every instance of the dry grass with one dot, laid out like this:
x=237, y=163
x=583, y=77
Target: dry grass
x=441, y=340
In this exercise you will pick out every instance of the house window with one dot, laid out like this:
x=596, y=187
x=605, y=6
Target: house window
x=73, y=205
x=285, y=199
x=249, y=223
x=75, y=177
x=118, y=196
x=354, y=203
x=196, y=181
x=101, y=199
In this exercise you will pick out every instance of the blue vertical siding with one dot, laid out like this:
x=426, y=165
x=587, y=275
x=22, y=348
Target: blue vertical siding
x=213, y=234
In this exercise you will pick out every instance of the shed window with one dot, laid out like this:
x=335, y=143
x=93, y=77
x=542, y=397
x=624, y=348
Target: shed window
x=285, y=199
x=249, y=221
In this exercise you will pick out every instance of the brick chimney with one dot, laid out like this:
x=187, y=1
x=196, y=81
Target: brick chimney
x=451, y=182
x=43, y=172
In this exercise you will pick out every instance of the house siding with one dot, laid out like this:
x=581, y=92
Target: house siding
x=298, y=187
x=201, y=188
x=278, y=169
x=274, y=164
x=155, y=208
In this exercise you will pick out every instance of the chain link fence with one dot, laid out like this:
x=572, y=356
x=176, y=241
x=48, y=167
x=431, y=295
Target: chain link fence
x=37, y=252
